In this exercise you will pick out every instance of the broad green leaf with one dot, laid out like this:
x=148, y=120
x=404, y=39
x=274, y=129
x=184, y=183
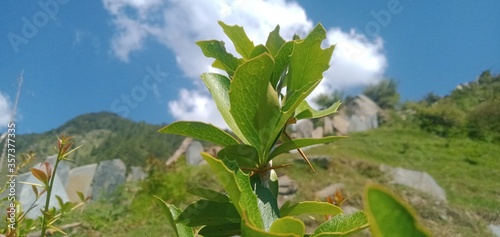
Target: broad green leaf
x=258, y=50
x=237, y=185
x=311, y=207
x=299, y=143
x=209, y=194
x=267, y=201
x=231, y=229
x=199, y=130
x=216, y=49
x=205, y=212
x=342, y=225
x=254, y=103
x=218, y=85
x=219, y=65
x=307, y=64
x=172, y=212
x=274, y=41
x=239, y=38
x=245, y=155
x=282, y=60
x=250, y=231
x=288, y=225
x=305, y=111
x=389, y=216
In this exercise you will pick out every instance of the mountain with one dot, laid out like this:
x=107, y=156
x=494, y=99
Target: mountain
x=104, y=136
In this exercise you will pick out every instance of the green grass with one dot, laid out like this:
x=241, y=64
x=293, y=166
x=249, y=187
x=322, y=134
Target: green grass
x=467, y=170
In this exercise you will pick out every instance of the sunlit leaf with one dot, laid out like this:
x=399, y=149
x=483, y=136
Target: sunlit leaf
x=172, y=212
x=254, y=104
x=288, y=225
x=237, y=185
x=199, y=130
x=218, y=85
x=258, y=50
x=251, y=231
x=245, y=155
x=311, y=207
x=216, y=49
x=342, y=225
x=239, y=38
x=307, y=64
x=274, y=41
x=389, y=216
x=305, y=111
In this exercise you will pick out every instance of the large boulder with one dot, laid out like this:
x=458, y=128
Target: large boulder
x=193, y=156
x=80, y=180
x=109, y=176
x=304, y=128
x=362, y=114
x=421, y=181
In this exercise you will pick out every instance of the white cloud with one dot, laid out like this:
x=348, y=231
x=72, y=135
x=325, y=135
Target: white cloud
x=178, y=24
x=5, y=110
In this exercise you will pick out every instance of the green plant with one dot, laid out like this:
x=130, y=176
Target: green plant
x=384, y=93
x=250, y=100
x=46, y=174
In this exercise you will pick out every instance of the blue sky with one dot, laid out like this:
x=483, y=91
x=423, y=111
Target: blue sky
x=137, y=58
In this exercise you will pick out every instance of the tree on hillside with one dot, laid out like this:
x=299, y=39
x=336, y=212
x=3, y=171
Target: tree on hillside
x=325, y=100
x=384, y=93
x=430, y=98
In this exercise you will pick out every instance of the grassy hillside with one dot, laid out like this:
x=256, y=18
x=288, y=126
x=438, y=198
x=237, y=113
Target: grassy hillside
x=105, y=136
x=467, y=170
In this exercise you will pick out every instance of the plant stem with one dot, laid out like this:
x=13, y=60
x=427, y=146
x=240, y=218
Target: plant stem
x=49, y=192
x=265, y=176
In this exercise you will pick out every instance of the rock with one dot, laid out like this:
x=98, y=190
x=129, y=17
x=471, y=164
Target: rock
x=421, y=181
x=340, y=123
x=495, y=229
x=136, y=174
x=62, y=169
x=27, y=197
x=317, y=132
x=327, y=126
x=110, y=175
x=304, y=128
x=328, y=191
x=287, y=189
x=362, y=114
x=193, y=156
x=182, y=148
x=80, y=180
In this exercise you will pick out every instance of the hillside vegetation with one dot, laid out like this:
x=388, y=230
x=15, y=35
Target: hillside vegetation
x=105, y=136
x=454, y=138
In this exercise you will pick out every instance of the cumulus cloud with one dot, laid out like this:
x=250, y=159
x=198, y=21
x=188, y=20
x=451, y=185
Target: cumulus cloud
x=5, y=110
x=178, y=24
